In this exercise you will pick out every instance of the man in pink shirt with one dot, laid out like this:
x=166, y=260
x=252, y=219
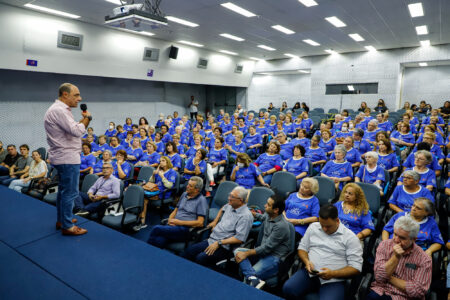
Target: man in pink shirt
x=64, y=140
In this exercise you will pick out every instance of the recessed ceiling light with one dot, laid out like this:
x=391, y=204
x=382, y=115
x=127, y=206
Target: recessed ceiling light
x=116, y=2
x=304, y=71
x=425, y=43
x=181, y=21
x=228, y=52
x=190, y=43
x=255, y=58
x=356, y=37
x=266, y=48
x=422, y=30
x=232, y=37
x=335, y=21
x=283, y=29
x=330, y=51
x=238, y=9
x=350, y=88
x=415, y=9
x=291, y=55
x=423, y=64
x=146, y=33
x=370, y=48
x=311, y=42
x=52, y=11
x=308, y=3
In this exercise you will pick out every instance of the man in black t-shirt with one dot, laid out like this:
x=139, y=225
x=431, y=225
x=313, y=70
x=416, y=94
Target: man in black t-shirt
x=10, y=160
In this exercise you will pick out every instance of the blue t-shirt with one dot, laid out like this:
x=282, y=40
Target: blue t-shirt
x=341, y=134
x=191, y=167
x=339, y=170
x=191, y=151
x=301, y=208
x=315, y=155
x=386, y=126
x=243, y=129
x=110, y=133
x=122, y=135
x=166, y=138
x=176, y=160
x=126, y=168
x=410, y=162
x=170, y=175
x=160, y=147
x=289, y=128
x=362, y=146
x=226, y=127
x=405, y=200
x=241, y=148
x=429, y=232
x=271, y=128
x=217, y=155
x=297, y=166
x=266, y=162
x=125, y=144
x=408, y=138
x=370, y=135
x=367, y=176
x=286, y=150
x=328, y=145
x=354, y=222
x=261, y=130
x=102, y=148
x=127, y=127
x=305, y=142
x=251, y=140
x=388, y=161
x=136, y=153
x=352, y=156
x=87, y=161
x=246, y=177
x=306, y=123
x=426, y=178
x=151, y=158
x=115, y=149
x=229, y=139
x=99, y=165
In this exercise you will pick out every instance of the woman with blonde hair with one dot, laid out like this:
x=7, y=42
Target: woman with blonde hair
x=245, y=173
x=353, y=211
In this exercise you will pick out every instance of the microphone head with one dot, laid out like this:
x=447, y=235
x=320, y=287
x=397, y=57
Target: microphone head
x=83, y=107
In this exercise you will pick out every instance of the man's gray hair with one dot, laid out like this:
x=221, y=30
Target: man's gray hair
x=65, y=87
x=372, y=154
x=108, y=164
x=242, y=193
x=409, y=225
x=198, y=182
x=412, y=174
x=341, y=148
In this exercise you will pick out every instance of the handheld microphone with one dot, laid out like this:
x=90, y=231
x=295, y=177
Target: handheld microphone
x=83, y=107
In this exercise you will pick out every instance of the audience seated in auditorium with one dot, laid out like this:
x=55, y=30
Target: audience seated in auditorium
x=20, y=166
x=190, y=211
x=427, y=176
x=297, y=164
x=134, y=152
x=106, y=158
x=195, y=165
x=230, y=228
x=172, y=153
x=237, y=146
x=98, y=149
x=353, y=156
x=106, y=187
x=331, y=253
x=381, y=107
x=9, y=160
x=402, y=269
x=217, y=158
x=245, y=173
x=123, y=169
x=88, y=160
x=270, y=162
x=38, y=169
x=114, y=145
x=261, y=263
x=371, y=172
x=111, y=131
x=339, y=170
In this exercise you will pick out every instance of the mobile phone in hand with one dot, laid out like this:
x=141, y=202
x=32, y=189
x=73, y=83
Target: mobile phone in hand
x=314, y=272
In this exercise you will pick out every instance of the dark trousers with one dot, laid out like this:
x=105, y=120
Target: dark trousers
x=161, y=235
x=83, y=202
x=300, y=284
x=196, y=253
x=374, y=296
x=193, y=115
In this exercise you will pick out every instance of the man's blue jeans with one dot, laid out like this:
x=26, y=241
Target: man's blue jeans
x=69, y=177
x=161, y=235
x=265, y=268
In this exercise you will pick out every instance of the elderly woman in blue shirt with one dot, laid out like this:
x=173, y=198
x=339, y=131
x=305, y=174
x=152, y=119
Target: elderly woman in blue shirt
x=270, y=162
x=371, y=172
x=297, y=164
x=245, y=173
x=427, y=176
x=338, y=170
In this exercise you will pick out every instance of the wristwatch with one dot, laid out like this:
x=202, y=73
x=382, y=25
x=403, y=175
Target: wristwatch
x=219, y=242
x=89, y=118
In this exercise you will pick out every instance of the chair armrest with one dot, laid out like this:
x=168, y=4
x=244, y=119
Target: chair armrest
x=164, y=221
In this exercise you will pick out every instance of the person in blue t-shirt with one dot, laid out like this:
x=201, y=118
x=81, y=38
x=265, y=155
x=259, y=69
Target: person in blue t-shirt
x=245, y=173
x=102, y=146
x=135, y=152
x=143, y=137
x=126, y=143
x=315, y=154
x=165, y=177
x=197, y=144
x=387, y=159
x=403, y=196
x=353, y=211
x=353, y=156
x=410, y=160
x=196, y=165
x=217, y=158
x=405, y=140
x=307, y=123
x=285, y=146
x=327, y=143
x=371, y=132
x=338, y=170
x=172, y=153
x=371, y=172
x=160, y=147
x=422, y=212
x=359, y=144
x=107, y=158
x=298, y=164
x=121, y=133
x=301, y=139
x=289, y=127
x=427, y=176
x=150, y=157
x=180, y=147
x=211, y=140
x=123, y=168
x=128, y=124
x=253, y=141
x=262, y=129
x=114, y=145
x=270, y=162
x=89, y=131
x=302, y=208
x=237, y=147
x=111, y=131
x=88, y=160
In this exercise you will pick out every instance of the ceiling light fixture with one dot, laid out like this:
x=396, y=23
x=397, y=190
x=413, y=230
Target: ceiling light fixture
x=52, y=11
x=330, y=51
x=336, y=21
x=425, y=43
x=181, y=21
x=238, y=9
x=231, y=37
x=255, y=58
x=350, y=88
x=146, y=33
x=423, y=64
x=356, y=37
x=308, y=3
x=415, y=9
x=304, y=71
x=190, y=43
x=228, y=52
x=422, y=30
x=266, y=48
x=311, y=42
x=370, y=48
x=291, y=55
x=283, y=29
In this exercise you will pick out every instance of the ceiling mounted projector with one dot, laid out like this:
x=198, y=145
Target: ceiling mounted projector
x=137, y=17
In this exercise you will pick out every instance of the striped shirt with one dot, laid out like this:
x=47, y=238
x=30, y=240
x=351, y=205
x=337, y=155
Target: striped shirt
x=414, y=267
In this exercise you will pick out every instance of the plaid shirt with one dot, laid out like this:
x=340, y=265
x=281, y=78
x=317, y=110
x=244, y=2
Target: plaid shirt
x=414, y=267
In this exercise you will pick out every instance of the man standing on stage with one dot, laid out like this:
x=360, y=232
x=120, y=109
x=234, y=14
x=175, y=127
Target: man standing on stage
x=64, y=139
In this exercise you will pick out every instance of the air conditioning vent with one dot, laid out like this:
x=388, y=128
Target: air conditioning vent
x=202, y=63
x=151, y=54
x=239, y=69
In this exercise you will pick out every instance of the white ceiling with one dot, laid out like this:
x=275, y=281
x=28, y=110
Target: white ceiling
x=385, y=24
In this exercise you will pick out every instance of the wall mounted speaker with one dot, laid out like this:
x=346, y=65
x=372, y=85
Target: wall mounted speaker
x=173, y=53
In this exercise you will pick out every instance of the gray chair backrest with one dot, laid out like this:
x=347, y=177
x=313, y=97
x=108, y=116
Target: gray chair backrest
x=284, y=183
x=133, y=196
x=224, y=189
x=327, y=191
x=88, y=181
x=145, y=173
x=258, y=196
x=372, y=194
